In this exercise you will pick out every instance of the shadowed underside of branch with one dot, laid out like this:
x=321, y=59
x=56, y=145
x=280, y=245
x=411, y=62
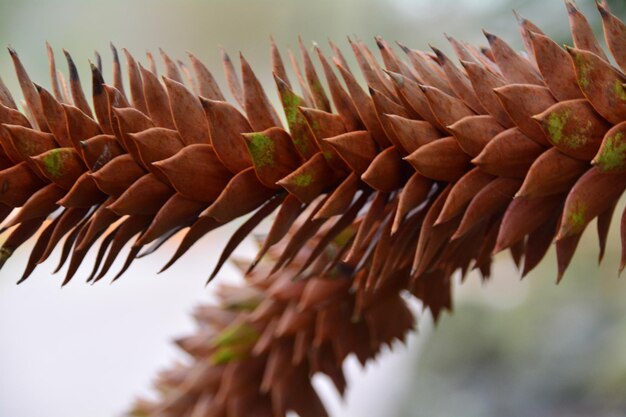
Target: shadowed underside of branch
x=254, y=353
x=438, y=165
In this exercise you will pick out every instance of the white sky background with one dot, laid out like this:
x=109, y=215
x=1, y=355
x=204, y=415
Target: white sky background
x=86, y=351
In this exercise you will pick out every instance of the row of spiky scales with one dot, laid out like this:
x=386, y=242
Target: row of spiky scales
x=254, y=353
x=436, y=169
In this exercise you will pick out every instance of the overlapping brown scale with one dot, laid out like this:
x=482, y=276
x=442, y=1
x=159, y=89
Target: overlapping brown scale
x=157, y=102
x=432, y=237
x=315, y=86
x=309, y=180
x=459, y=49
x=565, y=249
x=243, y=193
x=387, y=172
x=119, y=174
x=367, y=66
x=601, y=84
x=611, y=155
x=259, y=111
x=62, y=166
x=412, y=195
x=135, y=84
x=339, y=200
x=207, y=85
x=79, y=125
x=526, y=29
x=384, y=84
x=582, y=33
x=459, y=82
x=76, y=89
x=304, y=88
x=615, y=35
x=27, y=142
x=522, y=101
x=300, y=131
x=425, y=72
x=484, y=83
x=493, y=197
x=226, y=125
x=119, y=237
x=18, y=237
x=390, y=59
x=84, y=193
x=509, y=154
x=99, y=150
x=386, y=106
x=365, y=108
x=187, y=112
x=411, y=134
x=155, y=144
x=358, y=149
x=441, y=160
x=273, y=155
x=523, y=216
x=555, y=67
x=574, y=128
x=603, y=226
x=39, y=205
x=100, y=100
x=325, y=125
x=514, y=68
x=175, y=160
x=474, y=132
x=12, y=116
x=462, y=193
x=171, y=70
x=413, y=97
x=538, y=243
x=6, y=99
x=447, y=109
x=55, y=117
x=552, y=172
x=144, y=197
x=340, y=98
x=586, y=201
x=245, y=229
x=28, y=90
x=192, y=162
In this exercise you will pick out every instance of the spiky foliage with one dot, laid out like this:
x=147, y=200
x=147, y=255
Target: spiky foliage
x=437, y=168
x=433, y=170
x=255, y=352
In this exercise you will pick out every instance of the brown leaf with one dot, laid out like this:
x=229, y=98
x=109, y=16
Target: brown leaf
x=474, y=132
x=601, y=84
x=509, y=154
x=195, y=172
x=556, y=68
x=592, y=194
x=574, y=128
x=440, y=160
x=273, y=155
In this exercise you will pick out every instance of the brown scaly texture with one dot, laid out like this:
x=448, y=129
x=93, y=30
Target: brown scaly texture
x=254, y=353
x=437, y=168
x=432, y=170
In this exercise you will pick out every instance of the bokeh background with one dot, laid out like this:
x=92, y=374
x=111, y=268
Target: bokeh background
x=512, y=348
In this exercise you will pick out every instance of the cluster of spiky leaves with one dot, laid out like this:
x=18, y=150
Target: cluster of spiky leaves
x=436, y=169
x=254, y=353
